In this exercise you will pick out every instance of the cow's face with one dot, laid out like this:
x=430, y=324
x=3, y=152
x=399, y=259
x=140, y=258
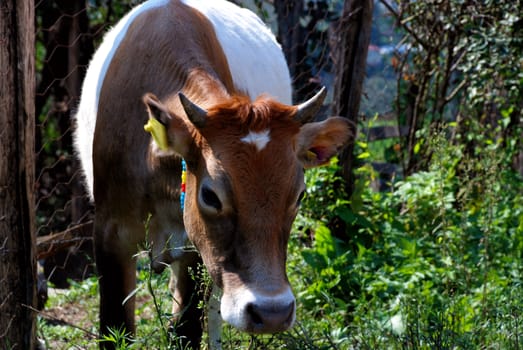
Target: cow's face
x=245, y=166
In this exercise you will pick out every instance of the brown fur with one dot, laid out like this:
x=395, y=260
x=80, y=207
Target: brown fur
x=255, y=181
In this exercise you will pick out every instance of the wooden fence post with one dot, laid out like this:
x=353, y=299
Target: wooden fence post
x=351, y=39
x=17, y=216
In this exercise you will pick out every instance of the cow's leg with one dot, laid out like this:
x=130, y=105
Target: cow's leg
x=117, y=279
x=185, y=287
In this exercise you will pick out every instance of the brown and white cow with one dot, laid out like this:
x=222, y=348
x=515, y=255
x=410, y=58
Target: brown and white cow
x=215, y=79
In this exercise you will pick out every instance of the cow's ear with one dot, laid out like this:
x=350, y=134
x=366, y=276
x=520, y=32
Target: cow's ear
x=170, y=132
x=159, y=120
x=318, y=142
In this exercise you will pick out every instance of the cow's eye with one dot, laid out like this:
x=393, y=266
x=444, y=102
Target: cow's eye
x=210, y=198
x=300, y=198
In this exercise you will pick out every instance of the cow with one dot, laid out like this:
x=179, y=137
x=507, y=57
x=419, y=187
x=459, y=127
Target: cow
x=211, y=84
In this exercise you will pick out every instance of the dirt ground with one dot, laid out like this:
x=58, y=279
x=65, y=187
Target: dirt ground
x=71, y=321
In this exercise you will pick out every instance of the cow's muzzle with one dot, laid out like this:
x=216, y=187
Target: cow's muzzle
x=257, y=312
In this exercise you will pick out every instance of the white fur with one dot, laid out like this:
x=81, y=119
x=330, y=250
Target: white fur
x=234, y=305
x=255, y=59
x=258, y=139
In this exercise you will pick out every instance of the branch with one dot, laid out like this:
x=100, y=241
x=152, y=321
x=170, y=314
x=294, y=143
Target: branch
x=456, y=90
x=49, y=245
x=61, y=321
x=405, y=26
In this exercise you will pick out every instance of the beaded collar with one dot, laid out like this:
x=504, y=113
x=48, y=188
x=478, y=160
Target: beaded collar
x=182, y=188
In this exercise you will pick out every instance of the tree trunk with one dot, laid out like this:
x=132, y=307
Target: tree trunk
x=351, y=43
x=17, y=220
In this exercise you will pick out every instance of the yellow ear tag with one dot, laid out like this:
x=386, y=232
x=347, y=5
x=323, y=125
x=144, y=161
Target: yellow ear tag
x=311, y=156
x=158, y=132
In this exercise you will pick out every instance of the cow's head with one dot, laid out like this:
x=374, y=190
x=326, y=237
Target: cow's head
x=245, y=163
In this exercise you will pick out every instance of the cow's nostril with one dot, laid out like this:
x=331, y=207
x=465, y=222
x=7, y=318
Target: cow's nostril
x=255, y=317
x=290, y=314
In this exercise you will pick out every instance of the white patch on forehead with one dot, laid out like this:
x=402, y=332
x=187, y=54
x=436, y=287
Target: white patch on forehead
x=259, y=139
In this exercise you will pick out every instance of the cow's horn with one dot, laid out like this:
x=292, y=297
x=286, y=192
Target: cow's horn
x=195, y=113
x=308, y=109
